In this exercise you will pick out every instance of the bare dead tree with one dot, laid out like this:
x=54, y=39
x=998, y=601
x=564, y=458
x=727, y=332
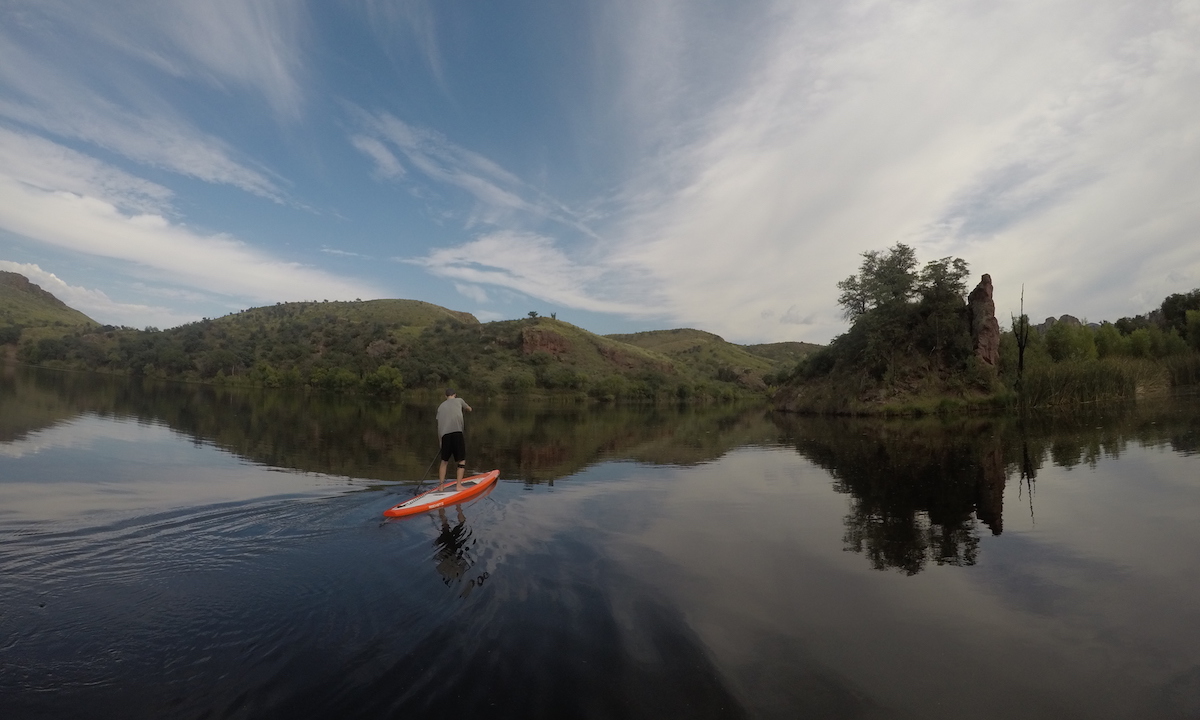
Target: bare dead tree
x=1020, y=329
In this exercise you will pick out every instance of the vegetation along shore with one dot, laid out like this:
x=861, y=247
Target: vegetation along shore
x=383, y=347
x=918, y=343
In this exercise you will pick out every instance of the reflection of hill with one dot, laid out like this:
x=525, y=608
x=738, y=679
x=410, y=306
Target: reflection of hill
x=26, y=406
x=921, y=490
x=332, y=434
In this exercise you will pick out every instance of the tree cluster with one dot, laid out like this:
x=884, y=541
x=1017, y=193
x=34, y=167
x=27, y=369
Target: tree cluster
x=904, y=319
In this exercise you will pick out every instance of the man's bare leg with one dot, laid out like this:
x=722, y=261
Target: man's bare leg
x=462, y=469
x=442, y=472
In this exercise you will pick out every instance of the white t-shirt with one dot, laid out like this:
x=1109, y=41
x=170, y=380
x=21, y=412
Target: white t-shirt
x=449, y=416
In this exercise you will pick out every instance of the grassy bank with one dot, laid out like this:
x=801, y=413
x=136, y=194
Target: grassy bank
x=1056, y=385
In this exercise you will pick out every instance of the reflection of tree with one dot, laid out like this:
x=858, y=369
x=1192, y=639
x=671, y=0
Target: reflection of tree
x=918, y=491
x=356, y=437
x=23, y=409
x=921, y=490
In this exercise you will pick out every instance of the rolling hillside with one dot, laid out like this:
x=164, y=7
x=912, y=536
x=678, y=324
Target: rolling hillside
x=383, y=346
x=783, y=352
x=714, y=356
x=25, y=304
x=27, y=312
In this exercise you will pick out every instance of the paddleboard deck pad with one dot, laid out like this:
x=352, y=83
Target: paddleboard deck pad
x=444, y=494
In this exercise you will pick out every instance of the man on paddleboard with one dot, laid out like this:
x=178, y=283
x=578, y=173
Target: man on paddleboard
x=450, y=430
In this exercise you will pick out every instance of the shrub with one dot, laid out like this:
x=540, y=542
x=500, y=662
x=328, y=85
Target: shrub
x=386, y=380
x=519, y=381
x=1109, y=342
x=1069, y=342
x=10, y=335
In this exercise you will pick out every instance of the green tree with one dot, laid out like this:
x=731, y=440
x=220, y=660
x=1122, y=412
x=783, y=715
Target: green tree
x=942, y=280
x=1139, y=343
x=1193, y=329
x=1175, y=308
x=1109, y=342
x=385, y=380
x=885, y=277
x=1070, y=342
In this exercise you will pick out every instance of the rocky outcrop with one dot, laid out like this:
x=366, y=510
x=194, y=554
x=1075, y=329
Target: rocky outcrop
x=985, y=329
x=1050, y=322
x=536, y=339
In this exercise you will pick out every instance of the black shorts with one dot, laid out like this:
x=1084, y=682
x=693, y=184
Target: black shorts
x=454, y=444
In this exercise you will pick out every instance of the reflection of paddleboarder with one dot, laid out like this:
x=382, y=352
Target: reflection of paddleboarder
x=450, y=430
x=452, y=556
x=452, y=559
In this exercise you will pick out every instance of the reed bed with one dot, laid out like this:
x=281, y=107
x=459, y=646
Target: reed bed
x=1073, y=383
x=1184, y=369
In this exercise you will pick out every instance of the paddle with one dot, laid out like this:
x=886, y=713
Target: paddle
x=436, y=455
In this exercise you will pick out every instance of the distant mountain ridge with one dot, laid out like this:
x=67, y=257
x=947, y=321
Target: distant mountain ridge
x=383, y=345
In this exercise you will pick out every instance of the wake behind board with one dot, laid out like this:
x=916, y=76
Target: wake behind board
x=444, y=494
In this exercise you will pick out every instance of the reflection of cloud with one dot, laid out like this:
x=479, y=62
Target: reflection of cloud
x=79, y=433
x=137, y=467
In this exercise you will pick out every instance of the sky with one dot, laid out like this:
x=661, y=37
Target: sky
x=626, y=165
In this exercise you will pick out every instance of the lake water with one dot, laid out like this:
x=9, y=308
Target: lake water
x=179, y=552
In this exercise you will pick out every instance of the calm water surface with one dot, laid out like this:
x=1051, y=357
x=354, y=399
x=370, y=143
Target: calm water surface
x=179, y=552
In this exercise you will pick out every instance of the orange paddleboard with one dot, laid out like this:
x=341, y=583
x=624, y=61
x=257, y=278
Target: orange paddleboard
x=444, y=495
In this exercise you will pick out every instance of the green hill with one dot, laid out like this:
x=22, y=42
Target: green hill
x=27, y=311
x=788, y=353
x=25, y=304
x=708, y=354
x=382, y=346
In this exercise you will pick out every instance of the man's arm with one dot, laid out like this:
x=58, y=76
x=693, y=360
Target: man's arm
x=465, y=405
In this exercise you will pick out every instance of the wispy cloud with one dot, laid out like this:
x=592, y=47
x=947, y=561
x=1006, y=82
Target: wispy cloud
x=341, y=253
x=500, y=197
x=536, y=266
x=94, y=73
x=255, y=47
x=100, y=211
x=497, y=192
x=1051, y=145
x=474, y=292
x=408, y=23
x=1048, y=144
x=386, y=164
x=40, y=163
